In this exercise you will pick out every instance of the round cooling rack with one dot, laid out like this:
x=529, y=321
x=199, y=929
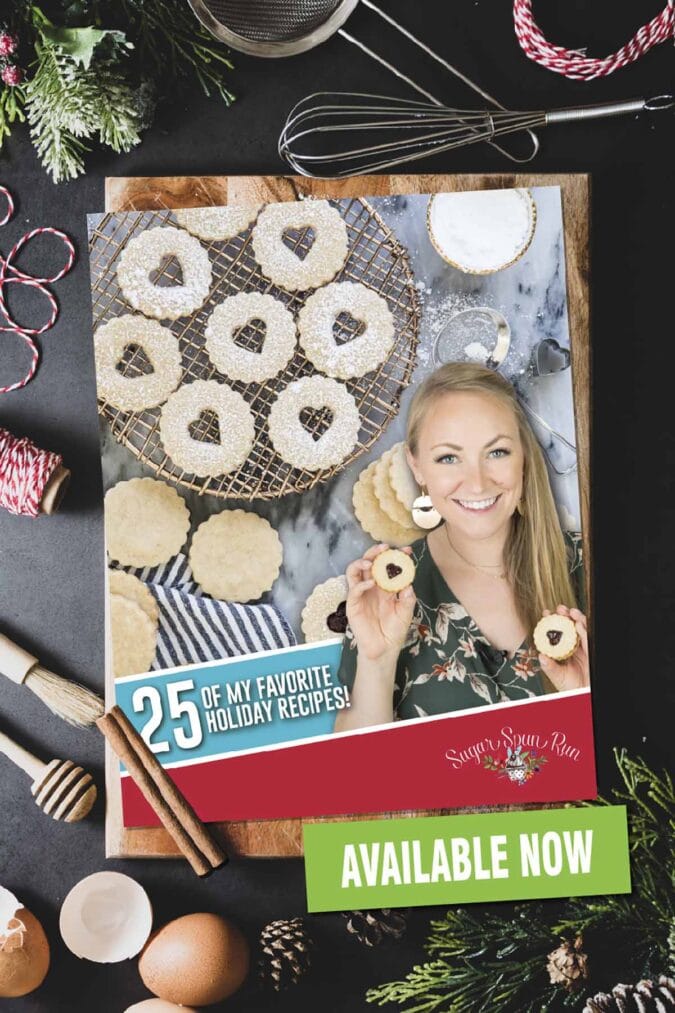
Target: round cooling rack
x=376, y=259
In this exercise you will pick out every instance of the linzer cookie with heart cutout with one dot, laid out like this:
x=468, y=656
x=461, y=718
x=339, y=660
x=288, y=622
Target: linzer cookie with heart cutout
x=393, y=570
x=325, y=613
x=366, y=350
x=556, y=637
x=293, y=266
x=236, y=429
x=319, y=446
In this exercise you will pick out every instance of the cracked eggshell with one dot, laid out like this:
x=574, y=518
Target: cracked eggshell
x=24, y=949
x=158, y=1006
x=195, y=960
x=106, y=918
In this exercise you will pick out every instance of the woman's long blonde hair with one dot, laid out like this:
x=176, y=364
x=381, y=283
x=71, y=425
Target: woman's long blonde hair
x=536, y=555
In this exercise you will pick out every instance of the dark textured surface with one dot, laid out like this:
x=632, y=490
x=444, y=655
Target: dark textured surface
x=51, y=570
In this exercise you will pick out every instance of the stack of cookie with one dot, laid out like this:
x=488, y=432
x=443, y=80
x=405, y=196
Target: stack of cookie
x=383, y=497
x=234, y=556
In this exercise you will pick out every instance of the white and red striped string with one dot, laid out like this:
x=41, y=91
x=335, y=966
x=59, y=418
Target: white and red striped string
x=12, y=275
x=24, y=473
x=576, y=65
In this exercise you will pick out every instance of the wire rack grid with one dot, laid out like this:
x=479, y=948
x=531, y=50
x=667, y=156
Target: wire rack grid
x=375, y=259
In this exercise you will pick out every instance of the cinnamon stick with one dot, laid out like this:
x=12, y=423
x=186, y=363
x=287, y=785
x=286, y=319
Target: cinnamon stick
x=176, y=814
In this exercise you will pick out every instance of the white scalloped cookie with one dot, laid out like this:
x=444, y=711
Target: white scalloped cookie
x=235, y=424
x=216, y=223
x=145, y=253
x=386, y=496
x=280, y=263
x=130, y=587
x=365, y=351
x=401, y=478
x=146, y=522
x=294, y=443
x=236, y=556
x=372, y=517
x=134, y=637
x=324, y=616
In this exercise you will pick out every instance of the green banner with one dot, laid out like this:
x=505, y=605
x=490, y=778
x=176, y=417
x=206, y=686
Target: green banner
x=467, y=859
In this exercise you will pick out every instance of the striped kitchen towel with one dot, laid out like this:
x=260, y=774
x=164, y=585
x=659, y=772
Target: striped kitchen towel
x=194, y=627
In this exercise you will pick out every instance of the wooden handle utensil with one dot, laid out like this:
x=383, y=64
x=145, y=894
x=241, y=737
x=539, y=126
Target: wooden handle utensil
x=68, y=700
x=60, y=788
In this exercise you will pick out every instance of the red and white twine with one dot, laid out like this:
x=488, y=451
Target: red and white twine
x=12, y=275
x=24, y=473
x=576, y=65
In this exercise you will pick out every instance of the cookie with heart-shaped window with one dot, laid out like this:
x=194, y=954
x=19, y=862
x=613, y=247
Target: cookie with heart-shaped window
x=556, y=637
x=393, y=570
x=199, y=456
x=319, y=446
x=325, y=613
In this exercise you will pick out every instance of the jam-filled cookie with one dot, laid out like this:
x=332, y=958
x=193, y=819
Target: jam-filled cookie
x=325, y=613
x=393, y=570
x=556, y=637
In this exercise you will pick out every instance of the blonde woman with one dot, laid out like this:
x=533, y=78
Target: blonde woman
x=498, y=560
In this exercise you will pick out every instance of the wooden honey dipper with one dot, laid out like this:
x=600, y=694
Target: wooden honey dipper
x=61, y=789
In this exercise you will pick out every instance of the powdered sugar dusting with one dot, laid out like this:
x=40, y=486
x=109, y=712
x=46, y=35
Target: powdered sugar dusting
x=481, y=231
x=365, y=351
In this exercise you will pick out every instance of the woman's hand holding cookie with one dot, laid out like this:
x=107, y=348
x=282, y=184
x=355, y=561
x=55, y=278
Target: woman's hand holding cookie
x=574, y=672
x=379, y=619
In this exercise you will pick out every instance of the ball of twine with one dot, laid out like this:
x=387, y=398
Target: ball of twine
x=25, y=471
x=574, y=64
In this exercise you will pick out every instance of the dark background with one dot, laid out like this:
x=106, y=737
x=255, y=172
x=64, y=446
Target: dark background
x=51, y=569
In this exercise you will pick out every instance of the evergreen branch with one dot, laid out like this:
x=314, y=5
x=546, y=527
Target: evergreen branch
x=12, y=101
x=69, y=104
x=172, y=44
x=486, y=959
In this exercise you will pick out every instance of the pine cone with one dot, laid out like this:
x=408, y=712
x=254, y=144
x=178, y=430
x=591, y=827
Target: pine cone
x=645, y=997
x=285, y=953
x=370, y=927
x=568, y=965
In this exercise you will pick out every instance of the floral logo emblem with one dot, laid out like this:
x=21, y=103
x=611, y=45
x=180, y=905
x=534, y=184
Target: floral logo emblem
x=517, y=765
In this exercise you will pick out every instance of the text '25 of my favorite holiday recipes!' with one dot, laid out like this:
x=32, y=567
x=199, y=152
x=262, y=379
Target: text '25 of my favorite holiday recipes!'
x=342, y=507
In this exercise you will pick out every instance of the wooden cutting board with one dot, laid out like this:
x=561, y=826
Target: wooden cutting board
x=283, y=838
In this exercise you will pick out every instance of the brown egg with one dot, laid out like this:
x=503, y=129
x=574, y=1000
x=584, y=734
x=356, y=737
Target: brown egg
x=195, y=960
x=24, y=955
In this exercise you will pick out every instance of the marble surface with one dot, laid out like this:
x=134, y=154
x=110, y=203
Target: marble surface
x=319, y=532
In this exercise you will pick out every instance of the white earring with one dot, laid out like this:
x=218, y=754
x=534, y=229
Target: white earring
x=424, y=513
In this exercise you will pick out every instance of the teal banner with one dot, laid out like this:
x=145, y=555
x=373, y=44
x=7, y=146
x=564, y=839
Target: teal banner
x=202, y=711
x=467, y=858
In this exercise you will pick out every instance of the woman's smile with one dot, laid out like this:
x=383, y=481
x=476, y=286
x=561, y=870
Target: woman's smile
x=477, y=505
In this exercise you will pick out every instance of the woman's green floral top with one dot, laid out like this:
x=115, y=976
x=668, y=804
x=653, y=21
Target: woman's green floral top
x=446, y=663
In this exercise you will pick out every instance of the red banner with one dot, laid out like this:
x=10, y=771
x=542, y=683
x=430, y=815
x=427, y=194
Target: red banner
x=537, y=751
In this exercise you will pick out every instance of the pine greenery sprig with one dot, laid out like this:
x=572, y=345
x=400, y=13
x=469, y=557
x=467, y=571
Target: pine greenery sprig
x=12, y=102
x=76, y=94
x=172, y=45
x=97, y=68
x=495, y=959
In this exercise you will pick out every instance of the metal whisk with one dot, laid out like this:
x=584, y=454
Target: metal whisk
x=320, y=130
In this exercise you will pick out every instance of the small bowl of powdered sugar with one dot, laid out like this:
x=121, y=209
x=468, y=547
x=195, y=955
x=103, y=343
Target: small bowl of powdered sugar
x=481, y=231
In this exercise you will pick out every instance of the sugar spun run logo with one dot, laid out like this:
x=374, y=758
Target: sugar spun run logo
x=519, y=765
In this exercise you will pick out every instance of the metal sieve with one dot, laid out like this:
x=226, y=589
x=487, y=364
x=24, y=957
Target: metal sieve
x=273, y=27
